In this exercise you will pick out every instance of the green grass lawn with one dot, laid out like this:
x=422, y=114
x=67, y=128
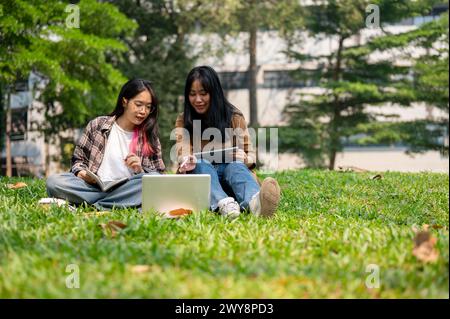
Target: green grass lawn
x=330, y=226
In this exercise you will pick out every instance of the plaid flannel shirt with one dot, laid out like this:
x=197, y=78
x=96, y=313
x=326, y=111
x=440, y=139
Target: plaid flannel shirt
x=91, y=147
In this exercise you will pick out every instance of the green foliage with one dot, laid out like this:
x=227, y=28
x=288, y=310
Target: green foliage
x=159, y=51
x=79, y=63
x=2, y=118
x=419, y=135
x=231, y=17
x=432, y=70
x=243, y=16
x=329, y=227
x=228, y=17
x=350, y=81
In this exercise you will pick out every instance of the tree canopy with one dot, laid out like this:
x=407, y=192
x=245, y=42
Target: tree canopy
x=352, y=80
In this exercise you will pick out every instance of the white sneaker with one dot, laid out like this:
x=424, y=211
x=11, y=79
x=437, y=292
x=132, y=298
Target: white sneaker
x=47, y=201
x=228, y=207
x=255, y=205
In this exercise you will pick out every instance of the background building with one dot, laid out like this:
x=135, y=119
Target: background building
x=276, y=89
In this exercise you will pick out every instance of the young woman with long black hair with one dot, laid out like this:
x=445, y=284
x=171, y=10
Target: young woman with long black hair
x=234, y=187
x=123, y=144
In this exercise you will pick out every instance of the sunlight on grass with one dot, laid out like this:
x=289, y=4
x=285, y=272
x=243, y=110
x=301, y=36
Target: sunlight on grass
x=329, y=227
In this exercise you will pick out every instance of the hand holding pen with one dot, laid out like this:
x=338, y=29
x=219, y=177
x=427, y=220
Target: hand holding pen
x=134, y=162
x=188, y=164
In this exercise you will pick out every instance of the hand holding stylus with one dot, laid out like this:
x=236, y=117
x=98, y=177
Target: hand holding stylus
x=188, y=164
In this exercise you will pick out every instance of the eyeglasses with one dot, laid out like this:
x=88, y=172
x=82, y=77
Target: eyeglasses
x=149, y=107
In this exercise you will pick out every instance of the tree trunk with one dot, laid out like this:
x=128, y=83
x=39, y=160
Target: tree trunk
x=334, y=139
x=252, y=78
x=8, y=137
x=332, y=160
x=46, y=155
x=335, y=120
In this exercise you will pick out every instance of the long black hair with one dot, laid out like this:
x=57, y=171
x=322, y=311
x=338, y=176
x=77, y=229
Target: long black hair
x=220, y=110
x=149, y=127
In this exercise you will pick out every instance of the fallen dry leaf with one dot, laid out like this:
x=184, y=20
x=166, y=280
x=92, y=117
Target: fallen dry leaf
x=117, y=224
x=180, y=212
x=112, y=227
x=16, y=185
x=139, y=269
x=424, y=249
x=143, y=269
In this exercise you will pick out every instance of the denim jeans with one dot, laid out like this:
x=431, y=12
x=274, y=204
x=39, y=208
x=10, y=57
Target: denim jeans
x=76, y=191
x=228, y=180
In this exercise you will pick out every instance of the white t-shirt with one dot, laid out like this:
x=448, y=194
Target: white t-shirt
x=117, y=148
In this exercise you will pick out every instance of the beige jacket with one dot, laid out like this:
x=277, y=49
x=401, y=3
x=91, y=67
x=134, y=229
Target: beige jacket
x=241, y=139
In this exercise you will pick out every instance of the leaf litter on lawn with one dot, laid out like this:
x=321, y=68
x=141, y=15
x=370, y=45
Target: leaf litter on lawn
x=112, y=227
x=424, y=245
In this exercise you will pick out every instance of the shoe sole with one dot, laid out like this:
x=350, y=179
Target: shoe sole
x=270, y=197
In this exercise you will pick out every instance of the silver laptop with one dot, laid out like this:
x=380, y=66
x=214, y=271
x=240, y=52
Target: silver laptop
x=164, y=193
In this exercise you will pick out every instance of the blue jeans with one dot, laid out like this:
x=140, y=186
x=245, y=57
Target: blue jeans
x=228, y=180
x=76, y=191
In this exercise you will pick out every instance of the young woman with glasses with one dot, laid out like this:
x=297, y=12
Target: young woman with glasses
x=124, y=144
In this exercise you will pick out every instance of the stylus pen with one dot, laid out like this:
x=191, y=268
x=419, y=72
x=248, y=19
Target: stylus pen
x=185, y=161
